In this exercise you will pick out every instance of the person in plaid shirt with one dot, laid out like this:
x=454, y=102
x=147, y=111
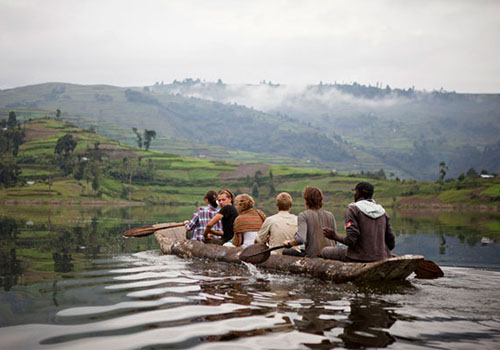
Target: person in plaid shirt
x=202, y=216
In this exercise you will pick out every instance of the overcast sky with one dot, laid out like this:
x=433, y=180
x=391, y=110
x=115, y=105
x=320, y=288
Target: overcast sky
x=427, y=44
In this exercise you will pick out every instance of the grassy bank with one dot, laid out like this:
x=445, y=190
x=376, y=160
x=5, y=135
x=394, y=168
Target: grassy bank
x=119, y=174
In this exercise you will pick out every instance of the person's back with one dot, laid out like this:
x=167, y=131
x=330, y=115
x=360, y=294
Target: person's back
x=368, y=228
x=248, y=222
x=279, y=227
x=311, y=222
x=310, y=225
x=369, y=235
x=202, y=216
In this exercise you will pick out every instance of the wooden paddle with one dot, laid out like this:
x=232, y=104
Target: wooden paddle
x=427, y=269
x=148, y=230
x=257, y=253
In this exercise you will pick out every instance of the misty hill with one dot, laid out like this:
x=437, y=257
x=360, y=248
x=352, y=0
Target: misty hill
x=114, y=111
x=342, y=126
x=405, y=129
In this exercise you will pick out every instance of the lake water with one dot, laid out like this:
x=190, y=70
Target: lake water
x=70, y=281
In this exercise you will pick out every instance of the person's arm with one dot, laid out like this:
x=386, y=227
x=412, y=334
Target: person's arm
x=263, y=234
x=238, y=235
x=291, y=243
x=351, y=228
x=211, y=223
x=191, y=223
x=301, y=235
x=390, y=241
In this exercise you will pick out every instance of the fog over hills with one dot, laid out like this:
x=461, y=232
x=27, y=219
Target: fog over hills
x=342, y=126
x=407, y=129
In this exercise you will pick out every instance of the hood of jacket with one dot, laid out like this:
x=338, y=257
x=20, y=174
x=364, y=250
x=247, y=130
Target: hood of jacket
x=370, y=208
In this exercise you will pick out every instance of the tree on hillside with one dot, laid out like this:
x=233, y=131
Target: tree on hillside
x=471, y=174
x=12, y=120
x=79, y=170
x=58, y=114
x=95, y=154
x=64, y=148
x=139, y=137
x=443, y=168
x=9, y=172
x=258, y=177
x=17, y=137
x=65, y=145
x=129, y=170
x=255, y=190
x=272, y=190
x=150, y=168
x=11, y=139
x=148, y=135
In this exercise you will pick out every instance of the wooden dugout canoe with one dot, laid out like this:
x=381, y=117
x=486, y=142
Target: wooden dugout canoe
x=173, y=241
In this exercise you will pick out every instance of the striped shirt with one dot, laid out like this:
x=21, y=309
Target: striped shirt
x=248, y=221
x=200, y=219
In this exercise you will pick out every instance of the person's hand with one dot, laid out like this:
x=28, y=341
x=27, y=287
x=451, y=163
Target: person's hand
x=186, y=222
x=329, y=233
x=287, y=244
x=209, y=236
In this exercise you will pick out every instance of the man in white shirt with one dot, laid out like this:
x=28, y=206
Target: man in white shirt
x=279, y=227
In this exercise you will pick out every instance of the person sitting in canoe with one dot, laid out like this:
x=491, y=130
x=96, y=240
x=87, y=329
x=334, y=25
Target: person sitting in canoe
x=202, y=216
x=310, y=226
x=248, y=222
x=369, y=235
x=226, y=216
x=280, y=226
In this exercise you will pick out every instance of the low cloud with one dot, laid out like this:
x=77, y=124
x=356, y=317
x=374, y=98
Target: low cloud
x=270, y=97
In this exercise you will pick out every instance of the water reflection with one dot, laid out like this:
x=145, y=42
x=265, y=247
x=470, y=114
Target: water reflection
x=70, y=280
x=370, y=321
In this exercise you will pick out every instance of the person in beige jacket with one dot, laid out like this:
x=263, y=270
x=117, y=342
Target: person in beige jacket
x=279, y=227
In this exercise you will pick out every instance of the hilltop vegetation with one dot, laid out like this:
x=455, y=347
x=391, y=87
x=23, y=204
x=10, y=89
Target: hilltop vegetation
x=401, y=130
x=115, y=111
x=347, y=127
x=59, y=163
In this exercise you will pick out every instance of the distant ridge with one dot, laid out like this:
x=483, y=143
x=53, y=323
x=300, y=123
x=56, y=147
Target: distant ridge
x=342, y=126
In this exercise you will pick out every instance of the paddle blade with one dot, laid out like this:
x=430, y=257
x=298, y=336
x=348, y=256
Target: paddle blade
x=139, y=231
x=428, y=270
x=148, y=230
x=255, y=254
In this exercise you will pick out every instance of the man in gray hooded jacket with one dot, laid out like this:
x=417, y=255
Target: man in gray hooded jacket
x=369, y=235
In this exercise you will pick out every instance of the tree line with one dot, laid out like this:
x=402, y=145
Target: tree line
x=11, y=137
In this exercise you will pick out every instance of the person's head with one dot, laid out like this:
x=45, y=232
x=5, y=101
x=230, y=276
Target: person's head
x=243, y=202
x=225, y=197
x=313, y=197
x=211, y=198
x=363, y=190
x=284, y=201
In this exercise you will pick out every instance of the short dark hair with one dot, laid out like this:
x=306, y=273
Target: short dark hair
x=365, y=189
x=313, y=197
x=211, y=197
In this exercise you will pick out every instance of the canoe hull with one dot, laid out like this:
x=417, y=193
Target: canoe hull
x=173, y=241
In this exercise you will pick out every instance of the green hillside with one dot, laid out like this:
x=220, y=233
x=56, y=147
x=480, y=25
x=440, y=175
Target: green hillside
x=329, y=126
x=186, y=126
x=100, y=170
x=408, y=132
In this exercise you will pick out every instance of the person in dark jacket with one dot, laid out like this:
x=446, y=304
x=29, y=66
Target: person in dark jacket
x=369, y=235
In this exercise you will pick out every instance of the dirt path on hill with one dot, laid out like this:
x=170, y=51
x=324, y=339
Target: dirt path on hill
x=246, y=169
